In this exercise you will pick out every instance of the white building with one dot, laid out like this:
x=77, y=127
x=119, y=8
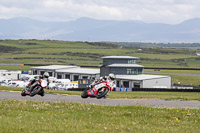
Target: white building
x=143, y=81
x=50, y=69
x=78, y=73
x=10, y=75
x=67, y=72
x=128, y=73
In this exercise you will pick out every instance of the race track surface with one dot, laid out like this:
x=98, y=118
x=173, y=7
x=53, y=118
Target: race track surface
x=4, y=95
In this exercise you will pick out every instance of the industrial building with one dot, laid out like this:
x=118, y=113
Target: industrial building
x=51, y=69
x=143, y=81
x=128, y=73
x=10, y=75
x=74, y=73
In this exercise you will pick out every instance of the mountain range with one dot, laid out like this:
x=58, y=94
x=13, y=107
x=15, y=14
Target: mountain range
x=87, y=29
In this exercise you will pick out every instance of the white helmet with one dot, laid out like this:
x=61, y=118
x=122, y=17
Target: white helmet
x=46, y=75
x=112, y=76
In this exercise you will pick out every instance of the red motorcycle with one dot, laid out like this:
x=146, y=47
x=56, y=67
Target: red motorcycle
x=99, y=90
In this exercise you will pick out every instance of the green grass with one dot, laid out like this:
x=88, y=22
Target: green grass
x=51, y=117
x=88, y=54
x=187, y=96
x=183, y=79
x=188, y=80
x=173, y=71
x=84, y=53
x=19, y=68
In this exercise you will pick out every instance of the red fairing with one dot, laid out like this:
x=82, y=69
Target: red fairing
x=94, y=91
x=90, y=93
x=39, y=82
x=108, y=84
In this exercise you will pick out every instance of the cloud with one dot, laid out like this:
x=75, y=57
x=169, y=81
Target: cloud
x=168, y=11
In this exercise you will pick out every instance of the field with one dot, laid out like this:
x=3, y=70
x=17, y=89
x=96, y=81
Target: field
x=45, y=52
x=89, y=53
x=183, y=79
x=51, y=117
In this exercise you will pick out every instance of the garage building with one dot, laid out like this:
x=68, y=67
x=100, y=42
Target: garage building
x=129, y=74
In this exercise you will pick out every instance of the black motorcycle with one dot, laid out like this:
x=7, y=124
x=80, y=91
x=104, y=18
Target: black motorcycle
x=37, y=88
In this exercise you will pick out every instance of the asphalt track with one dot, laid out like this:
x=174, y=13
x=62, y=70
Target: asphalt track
x=4, y=95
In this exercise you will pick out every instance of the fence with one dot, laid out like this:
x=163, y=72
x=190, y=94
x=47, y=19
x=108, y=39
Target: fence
x=144, y=89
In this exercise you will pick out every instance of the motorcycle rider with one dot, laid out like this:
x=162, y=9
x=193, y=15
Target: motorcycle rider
x=110, y=77
x=33, y=83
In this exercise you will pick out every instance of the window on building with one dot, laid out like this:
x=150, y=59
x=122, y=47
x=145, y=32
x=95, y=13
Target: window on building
x=118, y=84
x=131, y=61
x=76, y=77
x=129, y=71
x=50, y=74
x=136, y=71
x=84, y=77
x=126, y=84
x=84, y=82
x=42, y=72
x=34, y=72
x=67, y=76
x=136, y=85
x=59, y=76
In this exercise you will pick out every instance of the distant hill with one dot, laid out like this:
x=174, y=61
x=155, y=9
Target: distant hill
x=87, y=29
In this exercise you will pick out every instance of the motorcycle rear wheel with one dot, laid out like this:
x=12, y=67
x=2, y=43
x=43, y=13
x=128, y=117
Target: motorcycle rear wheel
x=101, y=93
x=84, y=94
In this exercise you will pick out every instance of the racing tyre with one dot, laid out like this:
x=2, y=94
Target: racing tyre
x=23, y=93
x=35, y=91
x=42, y=93
x=84, y=94
x=102, y=93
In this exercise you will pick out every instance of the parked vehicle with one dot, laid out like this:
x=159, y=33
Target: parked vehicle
x=17, y=83
x=99, y=90
x=39, y=86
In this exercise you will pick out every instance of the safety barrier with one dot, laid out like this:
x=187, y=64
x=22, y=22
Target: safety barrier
x=144, y=89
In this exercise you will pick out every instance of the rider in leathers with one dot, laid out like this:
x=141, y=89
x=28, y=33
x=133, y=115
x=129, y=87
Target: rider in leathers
x=110, y=77
x=33, y=83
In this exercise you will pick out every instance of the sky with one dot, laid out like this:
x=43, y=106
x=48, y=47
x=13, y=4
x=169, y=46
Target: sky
x=149, y=11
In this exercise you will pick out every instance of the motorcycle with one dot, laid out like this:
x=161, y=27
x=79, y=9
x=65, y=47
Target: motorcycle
x=39, y=86
x=99, y=90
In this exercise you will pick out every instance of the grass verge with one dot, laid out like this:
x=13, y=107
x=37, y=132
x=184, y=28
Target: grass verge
x=31, y=117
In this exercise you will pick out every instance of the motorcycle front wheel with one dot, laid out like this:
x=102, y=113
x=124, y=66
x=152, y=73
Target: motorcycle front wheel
x=23, y=93
x=102, y=92
x=35, y=91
